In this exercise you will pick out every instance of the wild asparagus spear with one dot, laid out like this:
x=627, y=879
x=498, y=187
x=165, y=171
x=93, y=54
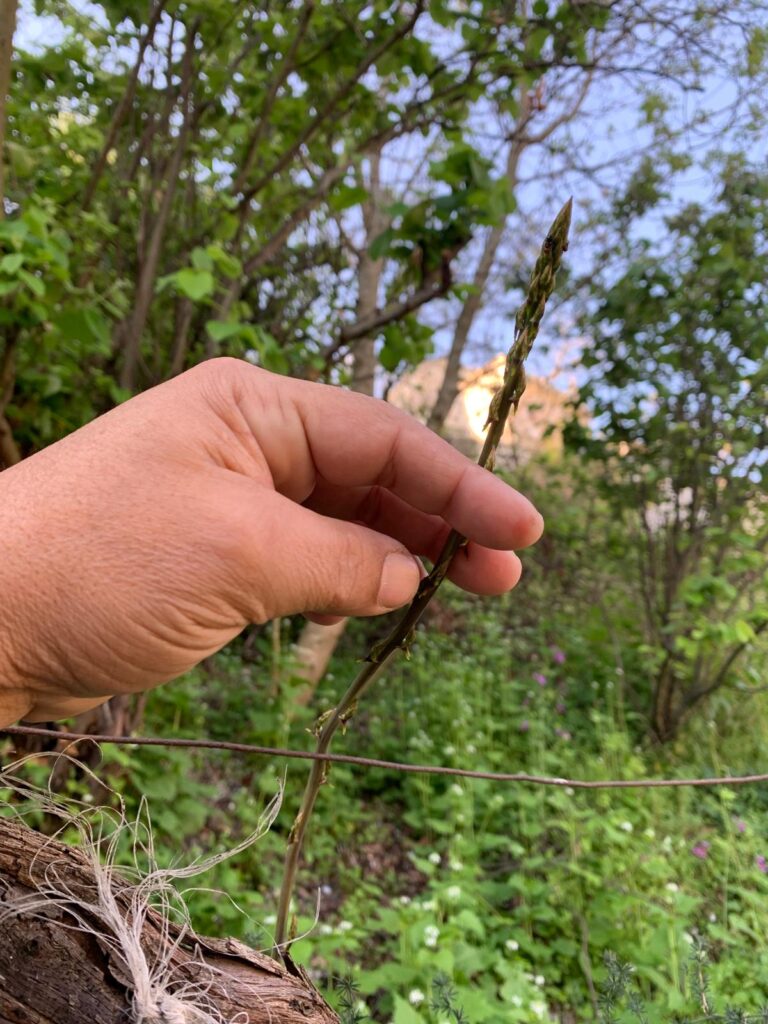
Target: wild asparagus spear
x=506, y=398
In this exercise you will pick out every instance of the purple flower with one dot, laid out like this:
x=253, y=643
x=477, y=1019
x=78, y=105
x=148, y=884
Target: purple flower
x=525, y=725
x=560, y=707
x=741, y=825
x=701, y=850
x=540, y=678
x=558, y=656
x=762, y=863
x=562, y=733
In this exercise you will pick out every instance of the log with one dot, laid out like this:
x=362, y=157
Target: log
x=53, y=972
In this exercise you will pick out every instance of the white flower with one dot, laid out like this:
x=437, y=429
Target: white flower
x=539, y=1008
x=650, y=833
x=457, y=790
x=270, y=919
x=688, y=938
x=512, y=945
x=539, y=980
x=672, y=887
x=456, y=865
x=405, y=900
x=345, y=926
x=627, y=826
x=516, y=1000
x=450, y=750
x=569, y=790
x=325, y=929
x=471, y=748
x=453, y=892
x=431, y=935
x=434, y=857
x=713, y=918
x=415, y=996
x=666, y=844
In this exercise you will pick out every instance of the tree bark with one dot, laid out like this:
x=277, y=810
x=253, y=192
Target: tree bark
x=369, y=279
x=53, y=973
x=449, y=387
x=130, y=334
x=123, y=107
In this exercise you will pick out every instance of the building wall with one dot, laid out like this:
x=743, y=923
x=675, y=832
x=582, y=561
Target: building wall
x=542, y=406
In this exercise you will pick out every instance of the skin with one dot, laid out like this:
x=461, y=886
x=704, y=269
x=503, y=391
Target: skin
x=146, y=540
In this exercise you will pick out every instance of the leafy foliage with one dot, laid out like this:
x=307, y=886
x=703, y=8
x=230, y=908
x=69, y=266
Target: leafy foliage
x=677, y=369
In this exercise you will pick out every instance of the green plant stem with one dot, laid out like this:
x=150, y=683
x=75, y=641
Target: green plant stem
x=401, y=637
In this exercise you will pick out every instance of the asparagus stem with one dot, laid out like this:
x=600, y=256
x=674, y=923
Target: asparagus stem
x=504, y=400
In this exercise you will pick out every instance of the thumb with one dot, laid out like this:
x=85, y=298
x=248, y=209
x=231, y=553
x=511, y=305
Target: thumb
x=303, y=561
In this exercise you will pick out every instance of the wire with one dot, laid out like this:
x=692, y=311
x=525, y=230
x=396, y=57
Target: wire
x=372, y=762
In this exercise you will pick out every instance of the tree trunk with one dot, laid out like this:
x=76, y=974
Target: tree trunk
x=54, y=973
x=314, y=650
x=449, y=387
x=131, y=330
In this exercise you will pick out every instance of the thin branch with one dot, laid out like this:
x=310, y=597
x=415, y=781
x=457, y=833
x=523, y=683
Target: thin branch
x=287, y=65
x=122, y=107
x=373, y=762
x=329, y=108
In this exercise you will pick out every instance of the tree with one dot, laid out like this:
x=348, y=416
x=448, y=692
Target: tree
x=677, y=381
x=649, y=64
x=202, y=190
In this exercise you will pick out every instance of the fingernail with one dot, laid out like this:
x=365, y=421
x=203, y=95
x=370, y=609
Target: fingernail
x=399, y=579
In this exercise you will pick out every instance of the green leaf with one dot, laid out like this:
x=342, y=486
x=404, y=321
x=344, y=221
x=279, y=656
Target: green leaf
x=743, y=632
x=229, y=265
x=346, y=196
x=220, y=330
x=85, y=325
x=405, y=1013
x=381, y=244
x=201, y=259
x=195, y=284
x=10, y=264
x=469, y=921
x=34, y=284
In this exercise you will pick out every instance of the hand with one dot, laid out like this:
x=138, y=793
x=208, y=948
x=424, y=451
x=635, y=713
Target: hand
x=149, y=538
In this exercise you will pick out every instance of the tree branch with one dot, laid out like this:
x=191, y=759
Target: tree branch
x=123, y=106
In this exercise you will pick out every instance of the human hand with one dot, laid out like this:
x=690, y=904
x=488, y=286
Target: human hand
x=149, y=538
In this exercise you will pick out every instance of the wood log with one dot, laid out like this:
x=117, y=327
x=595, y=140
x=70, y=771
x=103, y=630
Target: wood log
x=52, y=972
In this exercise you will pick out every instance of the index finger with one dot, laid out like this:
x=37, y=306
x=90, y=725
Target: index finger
x=356, y=441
